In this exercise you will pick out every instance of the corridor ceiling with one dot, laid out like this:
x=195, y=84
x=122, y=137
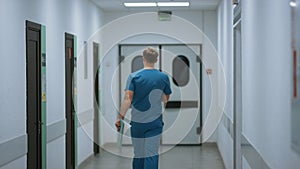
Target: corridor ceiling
x=117, y=5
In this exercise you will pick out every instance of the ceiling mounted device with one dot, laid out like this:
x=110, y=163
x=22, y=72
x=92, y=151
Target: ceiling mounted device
x=164, y=15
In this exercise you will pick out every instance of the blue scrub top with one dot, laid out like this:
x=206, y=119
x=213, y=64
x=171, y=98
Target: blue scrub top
x=148, y=86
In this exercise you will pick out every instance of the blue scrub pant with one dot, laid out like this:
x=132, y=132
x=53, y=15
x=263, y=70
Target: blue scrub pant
x=146, y=141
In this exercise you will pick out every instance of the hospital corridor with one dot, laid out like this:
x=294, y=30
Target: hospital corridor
x=150, y=84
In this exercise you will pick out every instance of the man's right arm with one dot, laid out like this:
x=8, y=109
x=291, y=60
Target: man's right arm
x=124, y=107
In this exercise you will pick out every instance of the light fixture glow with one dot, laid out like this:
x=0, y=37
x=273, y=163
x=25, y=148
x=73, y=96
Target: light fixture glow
x=139, y=4
x=293, y=4
x=173, y=4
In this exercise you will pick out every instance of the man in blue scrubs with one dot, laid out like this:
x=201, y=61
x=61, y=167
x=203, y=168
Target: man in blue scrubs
x=145, y=91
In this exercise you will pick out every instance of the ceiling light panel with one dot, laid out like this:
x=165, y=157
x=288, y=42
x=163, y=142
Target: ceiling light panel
x=173, y=4
x=293, y=4
x=140, y=4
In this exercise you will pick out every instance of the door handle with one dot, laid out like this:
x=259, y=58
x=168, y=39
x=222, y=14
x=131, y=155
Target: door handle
x=39, y=123
x=199, y=130
x=39, y=126
x=181, y=104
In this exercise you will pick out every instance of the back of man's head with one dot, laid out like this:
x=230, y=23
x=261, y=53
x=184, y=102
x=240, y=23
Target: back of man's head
x=150, y=55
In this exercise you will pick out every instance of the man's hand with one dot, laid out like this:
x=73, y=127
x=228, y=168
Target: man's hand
x=118, y=125
x=124, y=107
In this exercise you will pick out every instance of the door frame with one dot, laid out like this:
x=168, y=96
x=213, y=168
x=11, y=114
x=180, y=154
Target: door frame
x=199, y=129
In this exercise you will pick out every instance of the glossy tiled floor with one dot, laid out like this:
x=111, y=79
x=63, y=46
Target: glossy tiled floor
x=181, y=157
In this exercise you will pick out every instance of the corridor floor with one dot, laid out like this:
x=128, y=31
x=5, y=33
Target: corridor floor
x=181, y=157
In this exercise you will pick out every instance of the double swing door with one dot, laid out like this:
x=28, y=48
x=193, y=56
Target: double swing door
x=182, y=115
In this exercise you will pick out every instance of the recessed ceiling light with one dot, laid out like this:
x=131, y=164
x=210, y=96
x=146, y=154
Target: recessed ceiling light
x=293, y=4
x=140, y=4
x=172, y=4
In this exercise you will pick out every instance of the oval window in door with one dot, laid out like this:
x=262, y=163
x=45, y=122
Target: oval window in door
x=137, y=63
x=181, y=70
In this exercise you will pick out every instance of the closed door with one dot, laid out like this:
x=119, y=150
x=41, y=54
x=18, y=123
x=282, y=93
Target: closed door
x=182, y=64
x=70, y=111
x=131, y=60
x=182, y=113
x=33, y=84
x=96, y=99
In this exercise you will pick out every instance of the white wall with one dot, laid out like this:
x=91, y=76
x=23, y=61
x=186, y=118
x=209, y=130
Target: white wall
x=56, y=153
x=204, y=20
x=210, y=28
x=18, y=163
x=267, y=80
x=296, y=102
x=225, y=51
x=80, y=17
x=297, y=17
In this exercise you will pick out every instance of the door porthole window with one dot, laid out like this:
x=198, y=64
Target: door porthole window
x=137, y=63
x=181, y=70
